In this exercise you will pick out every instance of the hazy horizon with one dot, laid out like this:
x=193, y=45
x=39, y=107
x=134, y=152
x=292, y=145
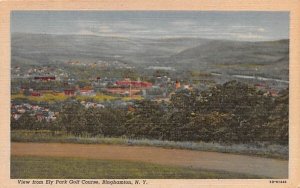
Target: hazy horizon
x=240, y=26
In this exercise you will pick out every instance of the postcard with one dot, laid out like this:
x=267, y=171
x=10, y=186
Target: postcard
x=152, y=94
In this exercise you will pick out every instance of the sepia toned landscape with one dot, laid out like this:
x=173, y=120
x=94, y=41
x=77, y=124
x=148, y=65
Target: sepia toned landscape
x=149, y=94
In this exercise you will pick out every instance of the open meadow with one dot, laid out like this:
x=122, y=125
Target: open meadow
x=80, y=168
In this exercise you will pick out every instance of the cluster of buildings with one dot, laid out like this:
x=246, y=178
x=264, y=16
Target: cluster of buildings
x=44, y=73
x=266, y=89
x=160, y=87
x=39, y=112
x=92, y=104
x=127, y=87
x=55, y=81
x=102, y=64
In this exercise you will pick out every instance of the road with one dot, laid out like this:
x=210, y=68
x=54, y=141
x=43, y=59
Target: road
x=266, y=167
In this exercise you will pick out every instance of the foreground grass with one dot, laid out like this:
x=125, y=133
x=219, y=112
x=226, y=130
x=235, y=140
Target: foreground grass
x=66, y=168
x=262, y=150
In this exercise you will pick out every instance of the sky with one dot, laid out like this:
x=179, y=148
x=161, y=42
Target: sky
x=243, y=26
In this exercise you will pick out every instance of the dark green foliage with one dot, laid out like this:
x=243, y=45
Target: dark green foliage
x=230, y=113
x=26, y=121
x=95, y=121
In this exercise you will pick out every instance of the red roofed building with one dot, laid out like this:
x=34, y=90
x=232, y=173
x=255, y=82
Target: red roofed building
x=69, y=92
x=87, y=91
x=35, y=94
x=136, y=84
x=44, y=78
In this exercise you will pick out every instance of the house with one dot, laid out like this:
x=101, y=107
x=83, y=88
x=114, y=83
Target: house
x=51, y=117
x=87, y=91
x=21, y=110
x=44, y=78
x=177, y=84
x=93, y=105
x=100, y=106
x=135, y=84
x=39, y=116
x=69, y=92
x=123, y=91
x=16, y=116
x=36, y=94
x=261, y=86
x=128, y=88
x=35, y=107
x=272, y=93
x=187, y=86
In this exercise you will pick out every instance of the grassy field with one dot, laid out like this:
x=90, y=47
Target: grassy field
x=272, y=151
x=44, y=98
x=59, y=97
x=99, y=97
x=62, y=168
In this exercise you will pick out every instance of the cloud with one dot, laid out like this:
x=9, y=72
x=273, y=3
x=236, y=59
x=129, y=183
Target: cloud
x=116, y=28
x=105, y=29
x=249, y=36
x=178, y=28
x=261, y=29
x=156, y=24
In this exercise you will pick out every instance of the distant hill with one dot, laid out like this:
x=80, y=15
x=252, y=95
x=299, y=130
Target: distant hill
x=44, y=48
x=268, y=58
x=233, y=52
x=236, y=57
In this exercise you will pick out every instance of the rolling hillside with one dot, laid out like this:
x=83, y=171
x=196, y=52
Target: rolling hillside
x=44, y=48
x=264, y=58
x=268, y=59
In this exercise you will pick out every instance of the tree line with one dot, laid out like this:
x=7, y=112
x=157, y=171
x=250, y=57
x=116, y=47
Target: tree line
x=230, y=113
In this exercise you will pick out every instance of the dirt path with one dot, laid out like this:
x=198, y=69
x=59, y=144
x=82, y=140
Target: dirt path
x=186, y=158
